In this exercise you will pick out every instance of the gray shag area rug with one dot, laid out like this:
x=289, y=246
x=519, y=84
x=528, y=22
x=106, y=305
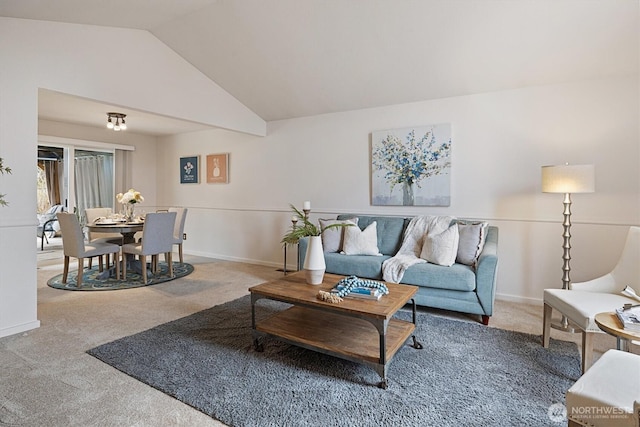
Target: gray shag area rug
x=467, y=374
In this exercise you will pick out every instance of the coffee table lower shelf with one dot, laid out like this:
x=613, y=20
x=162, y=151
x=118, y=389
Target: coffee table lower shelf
x=346, y=337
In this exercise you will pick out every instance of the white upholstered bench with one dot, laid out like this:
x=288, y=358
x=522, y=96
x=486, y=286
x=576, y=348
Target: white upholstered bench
x=608, y=394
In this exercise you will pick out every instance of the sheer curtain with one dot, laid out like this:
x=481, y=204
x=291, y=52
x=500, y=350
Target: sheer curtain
x=94, y=181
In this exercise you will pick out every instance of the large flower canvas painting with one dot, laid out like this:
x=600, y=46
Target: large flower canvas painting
x=411, y=166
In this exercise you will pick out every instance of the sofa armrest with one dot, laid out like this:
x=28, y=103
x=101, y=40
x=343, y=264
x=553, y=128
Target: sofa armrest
x=302, y=251
x=487, y=271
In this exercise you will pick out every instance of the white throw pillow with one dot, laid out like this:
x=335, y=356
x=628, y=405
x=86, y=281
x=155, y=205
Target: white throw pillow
x=361, y=242
x=472, y=236
x=332, y=238
x=441, y=249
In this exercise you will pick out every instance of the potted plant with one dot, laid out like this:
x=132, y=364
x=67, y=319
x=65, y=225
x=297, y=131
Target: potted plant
x=3, y=170
x=314, y=265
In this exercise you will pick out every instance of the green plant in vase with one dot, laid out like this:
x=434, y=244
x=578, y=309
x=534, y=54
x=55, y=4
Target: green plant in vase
x=298, y=231
x=3, y=169
x=305, y=229
x=314, y=265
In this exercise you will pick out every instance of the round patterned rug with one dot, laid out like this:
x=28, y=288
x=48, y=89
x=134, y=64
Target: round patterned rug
x=93, y=280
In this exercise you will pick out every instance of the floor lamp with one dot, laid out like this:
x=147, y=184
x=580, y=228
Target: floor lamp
x=567, y=179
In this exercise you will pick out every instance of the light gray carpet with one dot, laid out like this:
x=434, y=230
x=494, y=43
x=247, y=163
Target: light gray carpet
x=467, y=374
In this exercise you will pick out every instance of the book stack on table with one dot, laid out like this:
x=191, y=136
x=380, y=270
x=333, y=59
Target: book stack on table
x=361, y=292
x=629, y=317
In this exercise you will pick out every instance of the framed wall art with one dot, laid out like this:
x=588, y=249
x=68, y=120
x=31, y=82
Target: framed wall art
x=189, y=169
x=411, y=166
x=218, y=168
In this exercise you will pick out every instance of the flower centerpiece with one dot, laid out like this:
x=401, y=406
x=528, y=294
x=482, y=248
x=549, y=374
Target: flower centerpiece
x=128, y=201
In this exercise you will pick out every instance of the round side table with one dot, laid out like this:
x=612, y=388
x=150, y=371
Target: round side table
x=609, y=323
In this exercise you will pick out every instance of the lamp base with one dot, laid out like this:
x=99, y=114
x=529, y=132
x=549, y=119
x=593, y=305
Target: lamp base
x=564, y=326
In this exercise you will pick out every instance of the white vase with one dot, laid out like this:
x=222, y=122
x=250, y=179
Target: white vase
x=314, y=265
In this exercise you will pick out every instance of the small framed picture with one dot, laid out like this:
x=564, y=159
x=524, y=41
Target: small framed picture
x=218, y=168
x=189, y=169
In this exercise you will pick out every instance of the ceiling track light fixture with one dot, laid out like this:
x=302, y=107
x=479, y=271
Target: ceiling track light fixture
x=116, y=121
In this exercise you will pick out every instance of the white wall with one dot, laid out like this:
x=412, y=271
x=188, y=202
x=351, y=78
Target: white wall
x=70, y=58
x=500, y=141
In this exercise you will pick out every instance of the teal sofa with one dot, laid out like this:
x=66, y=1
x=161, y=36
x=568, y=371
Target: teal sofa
x=461, y=287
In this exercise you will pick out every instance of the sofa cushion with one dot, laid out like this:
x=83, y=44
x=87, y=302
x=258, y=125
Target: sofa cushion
x=390, y=230
x=365, y=266
x=458, y=277
x=441, y=248
x=472, y=237
x=332, y=238
x=361, y=242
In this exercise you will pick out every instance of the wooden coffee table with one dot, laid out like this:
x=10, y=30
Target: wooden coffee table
x=362, y=331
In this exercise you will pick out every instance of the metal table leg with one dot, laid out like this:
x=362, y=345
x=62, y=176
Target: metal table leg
x=416, y=344
x=257, y=345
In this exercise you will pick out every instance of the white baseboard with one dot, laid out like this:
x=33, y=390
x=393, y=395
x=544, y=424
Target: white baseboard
x=17, y=329
x=235, y=259
x=519, y=299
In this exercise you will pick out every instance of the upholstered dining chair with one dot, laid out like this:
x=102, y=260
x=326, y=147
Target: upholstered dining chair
x=91, y=215
x=583, y=301
x=157, y=238
x=73, y=245
x=178, y=230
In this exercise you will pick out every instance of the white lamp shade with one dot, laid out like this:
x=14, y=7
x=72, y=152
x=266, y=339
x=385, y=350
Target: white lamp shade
x=568, y=179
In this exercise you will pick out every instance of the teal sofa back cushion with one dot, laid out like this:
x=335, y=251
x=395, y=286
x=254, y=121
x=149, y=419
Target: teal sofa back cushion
x=390, y=231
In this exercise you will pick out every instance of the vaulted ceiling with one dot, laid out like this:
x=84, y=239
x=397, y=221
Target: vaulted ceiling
x=292, y=58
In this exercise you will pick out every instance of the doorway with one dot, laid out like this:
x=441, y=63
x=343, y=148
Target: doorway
x=74, y=178
x=49, y=177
